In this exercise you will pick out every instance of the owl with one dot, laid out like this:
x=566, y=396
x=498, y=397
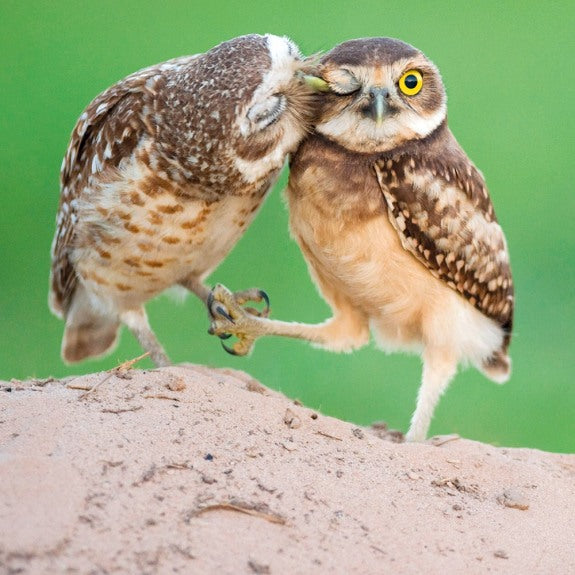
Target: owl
x=396, y=225
x=164, y=172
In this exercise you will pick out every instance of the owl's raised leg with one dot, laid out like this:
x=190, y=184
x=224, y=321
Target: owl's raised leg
x=348, y=329
x=195, y=285
x=136, y=321
x=439, y=367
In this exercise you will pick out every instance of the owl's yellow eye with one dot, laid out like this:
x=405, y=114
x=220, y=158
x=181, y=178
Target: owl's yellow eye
x=411, y=82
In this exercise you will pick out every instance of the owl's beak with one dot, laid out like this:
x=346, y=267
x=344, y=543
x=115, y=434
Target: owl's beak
x=316, y=83
x=378, y=104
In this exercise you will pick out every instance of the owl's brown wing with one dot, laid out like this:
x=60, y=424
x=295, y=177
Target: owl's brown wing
x=109, y=130
x=444, y=217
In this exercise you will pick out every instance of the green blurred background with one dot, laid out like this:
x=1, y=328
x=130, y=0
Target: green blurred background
x=508, y=71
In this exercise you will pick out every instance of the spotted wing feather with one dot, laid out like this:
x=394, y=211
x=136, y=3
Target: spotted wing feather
x=444, y=217
x=108, y=131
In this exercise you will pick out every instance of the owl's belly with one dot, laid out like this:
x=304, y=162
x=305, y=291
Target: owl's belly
x=364, y=262
x=130, y=247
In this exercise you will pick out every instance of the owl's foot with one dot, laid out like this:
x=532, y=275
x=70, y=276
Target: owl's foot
x=229, y=317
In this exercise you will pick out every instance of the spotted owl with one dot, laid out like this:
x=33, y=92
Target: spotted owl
x=164, y=172
x=396, y=225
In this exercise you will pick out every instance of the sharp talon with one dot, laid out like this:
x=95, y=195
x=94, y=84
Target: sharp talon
x=224, y=312
x=212, y=331
x=266, y=299
x=230, y=350
x=209, y=304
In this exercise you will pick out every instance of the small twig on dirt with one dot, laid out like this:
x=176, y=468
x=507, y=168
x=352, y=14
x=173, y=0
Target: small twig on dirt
x=161, y=396
x=127, y=365
x=118, y=371
x=329, y=436
x=271, y=517
x=70, y=385
x=440, y=440
x=122, y=410
x=179, y=465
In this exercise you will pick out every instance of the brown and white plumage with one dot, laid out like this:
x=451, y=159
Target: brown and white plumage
x=396, y=225
x=164, y=172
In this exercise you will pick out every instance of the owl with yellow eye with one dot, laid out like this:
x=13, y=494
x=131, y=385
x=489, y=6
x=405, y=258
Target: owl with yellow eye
x=396, y=225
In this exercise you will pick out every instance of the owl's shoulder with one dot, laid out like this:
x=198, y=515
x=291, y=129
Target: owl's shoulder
x=440, y=161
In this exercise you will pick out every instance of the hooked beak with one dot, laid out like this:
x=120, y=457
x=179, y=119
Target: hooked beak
x=378, y=104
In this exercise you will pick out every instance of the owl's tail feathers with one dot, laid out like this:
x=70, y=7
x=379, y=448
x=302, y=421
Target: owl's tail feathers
x=498, y=367
x=87, y=333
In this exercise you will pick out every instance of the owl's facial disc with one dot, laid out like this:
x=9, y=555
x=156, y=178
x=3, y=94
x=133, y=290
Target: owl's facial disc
x=376, y=107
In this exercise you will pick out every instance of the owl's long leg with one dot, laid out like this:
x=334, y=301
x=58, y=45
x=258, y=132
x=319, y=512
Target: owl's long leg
x=197, y=286
x=346, y=330
x=439, y=367
x=136, y=321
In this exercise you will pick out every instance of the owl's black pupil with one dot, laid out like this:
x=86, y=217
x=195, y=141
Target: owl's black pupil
x=411, y=81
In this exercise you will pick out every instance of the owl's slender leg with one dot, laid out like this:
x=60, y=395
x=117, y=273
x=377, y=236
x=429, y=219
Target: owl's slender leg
x=197, y=286
x=346, y=330
x=136, y=321
x=439, y=367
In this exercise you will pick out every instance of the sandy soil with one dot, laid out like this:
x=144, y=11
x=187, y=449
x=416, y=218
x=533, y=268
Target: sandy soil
x=191, y=470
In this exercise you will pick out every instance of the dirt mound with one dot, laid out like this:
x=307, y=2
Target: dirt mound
x=192, y=470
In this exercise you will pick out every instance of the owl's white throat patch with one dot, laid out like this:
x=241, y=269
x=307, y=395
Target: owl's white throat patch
x=364, y=135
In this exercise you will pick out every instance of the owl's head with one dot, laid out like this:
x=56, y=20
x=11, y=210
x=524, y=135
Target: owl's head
x=379, y=94
x=279, y=111
x=240, y=107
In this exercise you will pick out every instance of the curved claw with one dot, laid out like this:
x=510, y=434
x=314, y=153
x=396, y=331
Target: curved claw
x=224, y=313
x=212, y=331
x=219, y=309
x=209, y=303
x=229, y=317
x=229, y=350
x=266, y=311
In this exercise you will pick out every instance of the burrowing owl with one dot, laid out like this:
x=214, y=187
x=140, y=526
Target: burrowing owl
x=396, y=225
x=164, y=172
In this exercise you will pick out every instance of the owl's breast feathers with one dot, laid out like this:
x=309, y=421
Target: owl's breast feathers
x=437, y=202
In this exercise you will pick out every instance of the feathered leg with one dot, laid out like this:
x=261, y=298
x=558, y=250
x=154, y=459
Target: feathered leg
x=439, y=367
